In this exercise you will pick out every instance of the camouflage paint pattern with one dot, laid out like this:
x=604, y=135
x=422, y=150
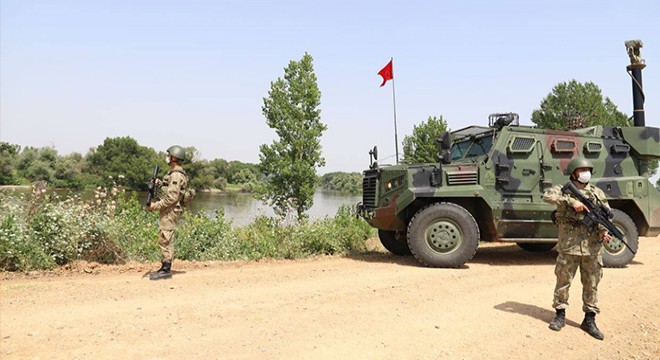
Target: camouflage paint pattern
x=502, y=182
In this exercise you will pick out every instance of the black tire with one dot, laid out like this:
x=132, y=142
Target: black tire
x=392, y=243
x=536, y=247
x=443, y=235
x=616, y=254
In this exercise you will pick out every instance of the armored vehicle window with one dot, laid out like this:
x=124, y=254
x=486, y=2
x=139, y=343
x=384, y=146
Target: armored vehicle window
x=459, y=149
x=480, y=147
x=471, y=148
x=563, y=146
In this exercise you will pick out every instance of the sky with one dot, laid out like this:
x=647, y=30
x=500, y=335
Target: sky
x=195, y=72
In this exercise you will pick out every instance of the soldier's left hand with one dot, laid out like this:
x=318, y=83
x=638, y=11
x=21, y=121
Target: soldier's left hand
x=150, y=207
x=605, y=236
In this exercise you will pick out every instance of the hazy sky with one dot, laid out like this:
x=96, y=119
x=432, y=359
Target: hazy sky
x=195, y=73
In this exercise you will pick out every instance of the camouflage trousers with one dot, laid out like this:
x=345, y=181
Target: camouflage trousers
x=591, y=271
x=166, y=243
x=168, y=221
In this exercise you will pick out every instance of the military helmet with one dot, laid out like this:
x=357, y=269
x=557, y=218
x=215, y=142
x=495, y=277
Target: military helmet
x=178, y=152
x=579, y=163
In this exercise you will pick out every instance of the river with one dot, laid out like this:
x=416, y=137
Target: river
x=240, y=208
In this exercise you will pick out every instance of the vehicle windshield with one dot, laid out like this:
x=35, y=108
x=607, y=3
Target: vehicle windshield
x=471, y=148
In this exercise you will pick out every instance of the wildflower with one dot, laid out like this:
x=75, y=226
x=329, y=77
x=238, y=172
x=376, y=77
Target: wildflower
x=121, y=176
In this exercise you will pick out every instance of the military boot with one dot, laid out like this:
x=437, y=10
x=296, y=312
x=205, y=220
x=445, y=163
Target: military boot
x=559, y=321
x=589, y=326
x=165, y=272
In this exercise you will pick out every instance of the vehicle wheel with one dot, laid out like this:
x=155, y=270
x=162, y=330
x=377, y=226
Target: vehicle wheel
x=616, y=254
x=392, y=243
x=443, y=235
x=536, y=247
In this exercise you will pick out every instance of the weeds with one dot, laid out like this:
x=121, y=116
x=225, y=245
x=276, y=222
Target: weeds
x=42, y=231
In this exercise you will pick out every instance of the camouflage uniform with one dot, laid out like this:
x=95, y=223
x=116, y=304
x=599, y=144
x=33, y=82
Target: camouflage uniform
x=578, y=246
x=169, y=205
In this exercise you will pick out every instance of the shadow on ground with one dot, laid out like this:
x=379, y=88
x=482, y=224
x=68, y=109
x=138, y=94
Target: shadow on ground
x=174, y=272
x=384, y=257
x=490, y=254
x=533, y=311
x=511, y=254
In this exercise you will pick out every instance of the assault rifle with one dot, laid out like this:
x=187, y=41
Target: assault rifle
x=596, y=214
x=152, y=186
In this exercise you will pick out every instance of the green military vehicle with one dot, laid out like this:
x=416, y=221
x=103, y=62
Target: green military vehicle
x=489, y=182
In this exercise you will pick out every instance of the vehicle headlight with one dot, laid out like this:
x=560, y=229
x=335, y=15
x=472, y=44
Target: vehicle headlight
x=394, y=183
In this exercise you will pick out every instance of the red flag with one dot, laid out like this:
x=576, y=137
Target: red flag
x=387, y=73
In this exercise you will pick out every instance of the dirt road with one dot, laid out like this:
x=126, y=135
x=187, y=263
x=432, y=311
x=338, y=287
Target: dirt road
x=372, y=307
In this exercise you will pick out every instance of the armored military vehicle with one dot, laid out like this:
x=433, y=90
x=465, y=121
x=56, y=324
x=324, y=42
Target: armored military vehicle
x=489, y=180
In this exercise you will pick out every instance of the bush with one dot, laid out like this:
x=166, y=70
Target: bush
x=42, y=232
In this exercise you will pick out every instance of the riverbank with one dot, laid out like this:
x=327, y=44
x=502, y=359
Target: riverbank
x=110, y=227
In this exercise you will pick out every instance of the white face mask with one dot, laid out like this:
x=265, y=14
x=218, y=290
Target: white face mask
x=584, y=177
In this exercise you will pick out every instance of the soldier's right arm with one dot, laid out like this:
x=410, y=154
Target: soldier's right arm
x=555, y=196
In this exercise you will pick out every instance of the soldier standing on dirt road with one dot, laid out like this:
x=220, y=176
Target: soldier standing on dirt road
x=578, y=246
x=169, y=205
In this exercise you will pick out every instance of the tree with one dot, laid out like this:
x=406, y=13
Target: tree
x=8, y=158
x=37, y=163
x=199, y=171
x=422, y=145
x=342, y=181
x=576, y=100
x=124, y=156
x=289, y=164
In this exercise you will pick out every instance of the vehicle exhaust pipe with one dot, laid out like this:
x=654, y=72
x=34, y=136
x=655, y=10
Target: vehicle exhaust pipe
x=635, y=71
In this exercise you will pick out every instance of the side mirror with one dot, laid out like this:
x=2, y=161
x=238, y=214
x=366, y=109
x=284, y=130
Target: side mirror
x=373, y=157
x=445, y=141
x=445, y=158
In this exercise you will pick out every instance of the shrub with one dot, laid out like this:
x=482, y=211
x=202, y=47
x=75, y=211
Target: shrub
x=42, y=232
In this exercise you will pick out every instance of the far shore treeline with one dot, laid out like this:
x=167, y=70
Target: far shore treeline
x=124, y=160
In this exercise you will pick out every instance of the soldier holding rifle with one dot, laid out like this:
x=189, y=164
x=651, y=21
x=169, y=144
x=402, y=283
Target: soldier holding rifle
x=579, y=245
x=169, y=205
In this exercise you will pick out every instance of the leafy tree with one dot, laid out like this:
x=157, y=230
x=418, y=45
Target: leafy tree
x=200, y=174
x=289, y=164
x=220, y=169
x=342, y=181
x=236, y=167
x=68, y=172
x=220, y=183
x=244, y=176
x=8, y=158
x=576, y=100
x=37, y=164
x=422, y=145
x=583, y=101
x=198, y=170
x=124, y=156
